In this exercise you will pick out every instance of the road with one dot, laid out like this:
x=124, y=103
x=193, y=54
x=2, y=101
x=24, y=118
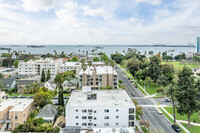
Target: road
x=149, y=113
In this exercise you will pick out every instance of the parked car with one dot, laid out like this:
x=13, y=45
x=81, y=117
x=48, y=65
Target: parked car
x=135, y=86
x=159, y=111
x=55, y=97
x=31, y=97
x=176, y=128
x=167, y=100
x=66, y=97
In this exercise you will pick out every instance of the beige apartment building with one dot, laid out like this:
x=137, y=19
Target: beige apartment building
x=96, y=77
x=14, y=112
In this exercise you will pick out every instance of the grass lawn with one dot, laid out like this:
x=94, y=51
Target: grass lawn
x=159, y=95
x=66, y=94
x=28, y=95
x=14, y=94
x=171, y=120
x=144, y=129
x=178, y=65
x=193, y=129
x=183, y=117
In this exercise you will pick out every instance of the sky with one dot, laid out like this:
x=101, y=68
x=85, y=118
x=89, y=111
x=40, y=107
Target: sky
x=96, y=22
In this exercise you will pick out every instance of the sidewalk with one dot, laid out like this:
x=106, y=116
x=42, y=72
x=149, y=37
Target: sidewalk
x=192, y=123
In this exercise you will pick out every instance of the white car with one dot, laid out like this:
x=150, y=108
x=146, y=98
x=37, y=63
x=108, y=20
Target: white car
x=159, y=111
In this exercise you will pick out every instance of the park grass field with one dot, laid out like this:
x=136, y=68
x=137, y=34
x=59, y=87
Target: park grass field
x=178, y=65
x=193, y=117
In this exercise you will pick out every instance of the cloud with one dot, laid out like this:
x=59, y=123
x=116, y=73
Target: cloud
x=66, y=18
x=38, y=5
x=98, y=12
x=152, y=2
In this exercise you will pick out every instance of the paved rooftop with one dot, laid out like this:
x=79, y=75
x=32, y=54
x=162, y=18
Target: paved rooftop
x=99, y=70
x=104, y=98
x=18, y=104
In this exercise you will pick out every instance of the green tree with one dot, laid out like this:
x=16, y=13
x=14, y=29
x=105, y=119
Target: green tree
x=117, y=57
x=48, y=75
x=74, y=59
x=154, y=69
x=168, y=70
x=1, y=85
x=43, y=97
x=15, y=63
x=1, y=76
x=26, y=60
x=43, y=77
x=170, y=91
x=133, y=66
x=186, y=93
x=59, y=79
x=96, y=59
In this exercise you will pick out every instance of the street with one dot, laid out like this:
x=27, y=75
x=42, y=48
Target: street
x=156, y=120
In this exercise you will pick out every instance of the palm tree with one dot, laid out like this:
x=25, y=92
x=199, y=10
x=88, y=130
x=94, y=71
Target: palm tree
x=55, y=53
x=112, y=63
x=84, y=67
x=107, y=63
x=170, y=90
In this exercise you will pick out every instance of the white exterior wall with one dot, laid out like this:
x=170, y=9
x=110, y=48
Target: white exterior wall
x=122, y=113
x=32, y=68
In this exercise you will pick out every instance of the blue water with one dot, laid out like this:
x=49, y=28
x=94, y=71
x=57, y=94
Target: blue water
x=108, y=49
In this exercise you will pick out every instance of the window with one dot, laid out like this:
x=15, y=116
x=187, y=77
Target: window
x=84, y=124
x=76, y=117
x=76, y=123
x=106, y=110
x=84, y=111
x=95, y=125
x=84, y=117
x=95, y=118
x=106, y=124
x=117, y=116
x=15, y=117
x=131, y=111
x=95, y=111
x=24, y=115
x=131, y=117
x=76, y=110
x=106, y=117
x=16, y=124
x=90, y=110
x=89, y=117
x=117, y=123
x=117, y=110
x=131, y=124
x=90, y=124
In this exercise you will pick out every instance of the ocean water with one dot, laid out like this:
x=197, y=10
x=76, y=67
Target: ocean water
x=108, y=49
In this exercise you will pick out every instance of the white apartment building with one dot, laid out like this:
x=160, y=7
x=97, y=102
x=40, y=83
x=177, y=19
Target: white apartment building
x=69, y=66
x=96, y=77
x=34, y=67
x=100, y=109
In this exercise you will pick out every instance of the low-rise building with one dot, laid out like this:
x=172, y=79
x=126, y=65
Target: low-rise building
x=50, y=85
x=2, y=96
x=100, y=109
x=48, y=113
x=69, y=66
x=9, y=83
x=71, y=85
x=96, y=77
x=22, y=84
x=35, y=67
x=14, y=112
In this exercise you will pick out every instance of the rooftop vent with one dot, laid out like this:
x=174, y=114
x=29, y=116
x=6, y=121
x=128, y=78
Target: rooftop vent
x=91, y=96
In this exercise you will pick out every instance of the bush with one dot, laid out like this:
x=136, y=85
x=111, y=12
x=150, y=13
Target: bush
x=120, y=81
x=160, y=90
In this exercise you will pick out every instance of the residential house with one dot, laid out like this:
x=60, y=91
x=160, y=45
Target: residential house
x=71, y=85
x=22, y=84
x=9, y=83
x=48, y=113
x=50, y=85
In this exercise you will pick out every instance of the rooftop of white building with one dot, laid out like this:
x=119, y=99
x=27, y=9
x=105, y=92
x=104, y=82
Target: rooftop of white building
x=103, y=98
x=99, y=70
x=17, y=104
x=47, y=60
x=71, y=64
